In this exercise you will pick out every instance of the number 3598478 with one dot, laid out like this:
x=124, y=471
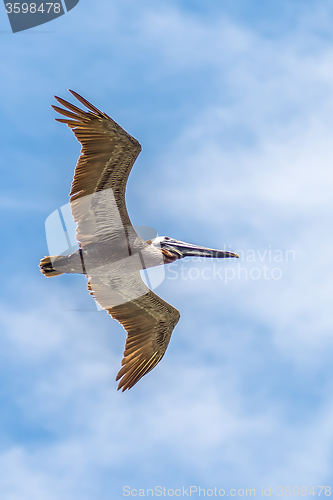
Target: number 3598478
x=32, y=8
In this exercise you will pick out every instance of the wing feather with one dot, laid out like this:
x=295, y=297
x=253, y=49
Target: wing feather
x=149, y=322
x=107, y=156
x=147, y=337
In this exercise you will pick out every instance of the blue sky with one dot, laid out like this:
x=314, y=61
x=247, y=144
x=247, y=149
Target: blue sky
x=233, y=105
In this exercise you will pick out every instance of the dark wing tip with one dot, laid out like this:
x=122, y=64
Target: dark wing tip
x=85, y=103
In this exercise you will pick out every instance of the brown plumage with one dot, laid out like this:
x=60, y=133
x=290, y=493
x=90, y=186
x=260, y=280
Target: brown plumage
x=111, y=253
x=107, y=156
x=149, y=322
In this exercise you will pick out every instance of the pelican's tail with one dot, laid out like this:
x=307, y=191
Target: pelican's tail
x=47, y=268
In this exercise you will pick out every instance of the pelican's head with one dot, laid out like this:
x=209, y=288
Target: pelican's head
x=173, y=249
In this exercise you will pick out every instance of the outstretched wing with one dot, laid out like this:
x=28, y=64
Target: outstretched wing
x=97, y=199
x=107, y=156
x=147, y=319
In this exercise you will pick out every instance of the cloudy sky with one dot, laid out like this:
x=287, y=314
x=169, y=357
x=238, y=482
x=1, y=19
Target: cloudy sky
x=233, y=105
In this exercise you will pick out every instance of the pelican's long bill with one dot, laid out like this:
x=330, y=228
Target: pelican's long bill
x=180, y=249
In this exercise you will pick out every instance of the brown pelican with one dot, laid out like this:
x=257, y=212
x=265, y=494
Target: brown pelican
x=111, y=253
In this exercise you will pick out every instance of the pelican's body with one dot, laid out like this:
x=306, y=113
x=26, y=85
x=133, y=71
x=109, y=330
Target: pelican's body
x=111, y=253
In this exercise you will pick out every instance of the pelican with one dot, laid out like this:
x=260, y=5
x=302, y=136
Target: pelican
x=111, y=254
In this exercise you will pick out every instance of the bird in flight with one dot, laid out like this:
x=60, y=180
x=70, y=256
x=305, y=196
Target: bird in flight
x=111, y=254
